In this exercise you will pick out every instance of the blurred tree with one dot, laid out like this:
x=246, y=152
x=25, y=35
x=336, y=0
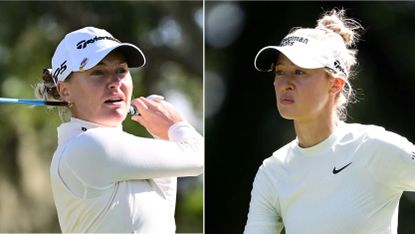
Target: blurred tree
x=169, y=33
x=243, y=126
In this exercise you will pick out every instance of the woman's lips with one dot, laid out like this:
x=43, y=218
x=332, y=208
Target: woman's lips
x=286, y=100
x=115, y=104
x=114, y=98
x=115, y=101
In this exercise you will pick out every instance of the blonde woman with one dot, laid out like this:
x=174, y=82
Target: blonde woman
x=104, y=179
x=335, y=177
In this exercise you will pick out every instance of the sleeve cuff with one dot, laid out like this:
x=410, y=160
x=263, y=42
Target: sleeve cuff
x=181, y=131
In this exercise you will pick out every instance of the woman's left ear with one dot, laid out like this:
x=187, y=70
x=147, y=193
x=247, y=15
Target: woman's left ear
x=337, y=85
x=63, y=91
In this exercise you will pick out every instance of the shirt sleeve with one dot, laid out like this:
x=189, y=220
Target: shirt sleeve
x=263, y=216
x=102, y=156
x=393, y=160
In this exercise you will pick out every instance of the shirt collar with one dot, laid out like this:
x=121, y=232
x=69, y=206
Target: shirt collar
x=74, y=127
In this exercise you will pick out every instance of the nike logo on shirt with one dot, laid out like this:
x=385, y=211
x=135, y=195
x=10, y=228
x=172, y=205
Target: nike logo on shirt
x=335, y=171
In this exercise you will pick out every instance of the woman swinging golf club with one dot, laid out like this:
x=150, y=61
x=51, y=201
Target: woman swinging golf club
x=104, y=179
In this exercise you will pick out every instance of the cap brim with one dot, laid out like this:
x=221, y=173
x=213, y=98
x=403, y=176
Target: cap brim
x=135, y=58
x=267, y=57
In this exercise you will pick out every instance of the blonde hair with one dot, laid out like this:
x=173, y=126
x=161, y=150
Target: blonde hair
x=46, y=89
x=340, y=34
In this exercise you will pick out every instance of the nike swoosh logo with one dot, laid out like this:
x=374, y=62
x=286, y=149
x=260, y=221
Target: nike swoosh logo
x=335, y=171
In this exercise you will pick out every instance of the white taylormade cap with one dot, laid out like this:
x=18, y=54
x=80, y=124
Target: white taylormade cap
x=304, y=52
x=85, y=48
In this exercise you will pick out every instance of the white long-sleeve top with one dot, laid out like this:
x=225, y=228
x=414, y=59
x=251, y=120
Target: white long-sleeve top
x=106, y=180
x=349, y=183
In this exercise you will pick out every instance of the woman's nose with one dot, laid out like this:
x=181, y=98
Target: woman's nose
x=115, y=81
x=283, y=84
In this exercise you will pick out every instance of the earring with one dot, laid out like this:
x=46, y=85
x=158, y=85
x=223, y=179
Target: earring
x=70, y=105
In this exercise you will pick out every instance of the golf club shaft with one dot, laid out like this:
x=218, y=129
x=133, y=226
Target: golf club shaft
x=34, y=102
x=37, y=102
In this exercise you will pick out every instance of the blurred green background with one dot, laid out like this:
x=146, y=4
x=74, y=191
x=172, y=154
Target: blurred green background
x=170, y=33
x=243, y=126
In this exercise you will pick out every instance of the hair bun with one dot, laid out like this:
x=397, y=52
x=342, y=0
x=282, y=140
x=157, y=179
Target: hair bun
x=336, y=21
x=46, y=88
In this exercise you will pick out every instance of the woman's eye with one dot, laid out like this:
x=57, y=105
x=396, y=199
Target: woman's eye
x=299, y=72
x=97, y=73
x=121, y=70
x=279, y=72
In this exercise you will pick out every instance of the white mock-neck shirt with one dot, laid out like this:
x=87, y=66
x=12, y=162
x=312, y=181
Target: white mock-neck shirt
x=106, y=180
x=349, y=183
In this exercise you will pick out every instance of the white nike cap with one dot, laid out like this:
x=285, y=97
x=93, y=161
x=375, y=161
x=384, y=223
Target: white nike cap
x=303, y=51
x=84, y=48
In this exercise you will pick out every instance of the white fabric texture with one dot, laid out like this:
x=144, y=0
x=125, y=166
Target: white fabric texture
x=106, y=180
x=349, y=183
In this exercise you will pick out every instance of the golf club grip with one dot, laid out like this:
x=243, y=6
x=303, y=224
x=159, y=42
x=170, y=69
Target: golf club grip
x=55, y=103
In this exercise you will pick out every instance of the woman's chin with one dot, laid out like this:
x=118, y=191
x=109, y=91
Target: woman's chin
x=289, y=115
x=114, y=118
